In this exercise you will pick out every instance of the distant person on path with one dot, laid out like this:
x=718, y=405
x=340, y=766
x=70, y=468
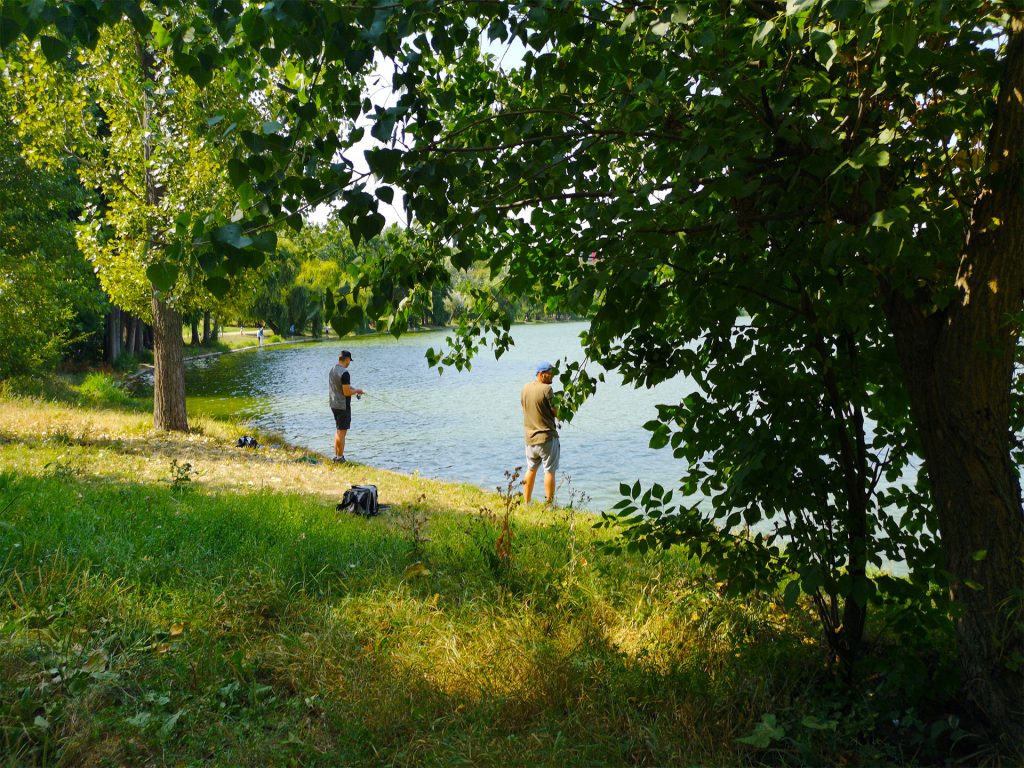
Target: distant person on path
x=541, y=433
x=259, y=335
x=341, y=391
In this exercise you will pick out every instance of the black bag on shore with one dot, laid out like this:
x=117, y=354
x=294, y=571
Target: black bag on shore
x=360, y=500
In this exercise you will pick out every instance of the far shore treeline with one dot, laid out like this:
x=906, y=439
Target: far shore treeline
x=813, y=209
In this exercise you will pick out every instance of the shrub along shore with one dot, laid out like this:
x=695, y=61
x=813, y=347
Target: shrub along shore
x=172, y=599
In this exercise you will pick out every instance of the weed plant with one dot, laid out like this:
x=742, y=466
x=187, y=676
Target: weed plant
x=245, y=623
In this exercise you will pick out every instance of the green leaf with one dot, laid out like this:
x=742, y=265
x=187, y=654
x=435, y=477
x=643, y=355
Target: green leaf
x=660, y=437
x=238, y=172
x=169, y=723
x=230, y=235
x=201, y=73
x=462, y=259
x=371, y=225
x=162, y=275
x=271, y=126
x=799, y=6
x=885, y=219
x=265, y=241
x=812, y=579
x=384, y=163
x=218, y=286
x=764, y=733
x=791, y=594
x=383, y=126
x=764, y=29
x=54, y=49
x=10, y=29
x=161, y=37
x=344, y=323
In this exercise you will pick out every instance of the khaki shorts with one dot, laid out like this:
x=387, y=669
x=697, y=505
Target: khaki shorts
x=547, y=453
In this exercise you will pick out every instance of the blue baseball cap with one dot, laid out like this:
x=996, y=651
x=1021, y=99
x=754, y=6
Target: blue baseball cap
x=545, y=366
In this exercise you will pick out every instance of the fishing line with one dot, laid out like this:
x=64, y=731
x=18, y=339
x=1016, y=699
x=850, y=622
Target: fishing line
x=388, y=401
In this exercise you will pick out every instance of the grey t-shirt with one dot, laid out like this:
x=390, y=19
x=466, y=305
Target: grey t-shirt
x=336, y=380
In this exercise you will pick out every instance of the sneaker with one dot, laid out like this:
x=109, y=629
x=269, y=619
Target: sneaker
x=338, y=459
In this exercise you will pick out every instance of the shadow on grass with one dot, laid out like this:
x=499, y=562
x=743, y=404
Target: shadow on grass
x=166, y=622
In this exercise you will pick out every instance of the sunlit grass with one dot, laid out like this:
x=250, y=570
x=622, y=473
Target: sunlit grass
x=173, y=599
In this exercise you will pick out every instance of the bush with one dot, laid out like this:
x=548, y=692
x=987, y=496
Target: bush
x=102, y=389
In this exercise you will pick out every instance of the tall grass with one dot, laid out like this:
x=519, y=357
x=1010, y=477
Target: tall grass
x=162, y=607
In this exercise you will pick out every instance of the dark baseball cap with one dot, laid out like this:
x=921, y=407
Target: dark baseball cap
x=345, y=355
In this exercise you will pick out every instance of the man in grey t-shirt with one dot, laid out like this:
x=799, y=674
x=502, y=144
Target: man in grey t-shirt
x=341, y=391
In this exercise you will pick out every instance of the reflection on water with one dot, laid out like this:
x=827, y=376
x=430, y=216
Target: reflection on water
x=460, y=426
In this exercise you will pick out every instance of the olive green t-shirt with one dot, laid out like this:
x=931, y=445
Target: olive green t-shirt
x=538, y=412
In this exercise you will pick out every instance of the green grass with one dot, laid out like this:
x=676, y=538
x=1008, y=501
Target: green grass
x=172, y=600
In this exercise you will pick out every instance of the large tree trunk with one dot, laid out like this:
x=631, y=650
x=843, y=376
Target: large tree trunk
x=206, y=327
x=958, y=366
x=168, y=346
x=169, y=368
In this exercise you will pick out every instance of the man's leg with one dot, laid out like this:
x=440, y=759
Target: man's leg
x=339, y=441
x=549, y=486
x=528, y=479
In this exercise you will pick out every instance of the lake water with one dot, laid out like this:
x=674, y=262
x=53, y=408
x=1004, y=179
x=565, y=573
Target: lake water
x=460, y=426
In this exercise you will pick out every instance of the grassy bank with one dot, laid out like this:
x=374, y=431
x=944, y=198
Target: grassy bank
x=175, y=600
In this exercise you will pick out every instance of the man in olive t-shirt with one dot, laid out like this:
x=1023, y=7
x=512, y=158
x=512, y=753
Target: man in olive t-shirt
x=541, y=433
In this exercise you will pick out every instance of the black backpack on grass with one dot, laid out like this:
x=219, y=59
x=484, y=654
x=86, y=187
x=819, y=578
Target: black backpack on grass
x=360, y=500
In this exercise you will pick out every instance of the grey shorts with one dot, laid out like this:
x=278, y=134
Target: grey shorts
x=547, y=452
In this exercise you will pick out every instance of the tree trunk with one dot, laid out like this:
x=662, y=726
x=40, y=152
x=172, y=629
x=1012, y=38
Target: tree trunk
x=206, y=327
x=168, y=346
x=169, y=368
x=958, y=365
x=194, y=327
x=112, y=335
x=131, y=333
x=140, y=337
